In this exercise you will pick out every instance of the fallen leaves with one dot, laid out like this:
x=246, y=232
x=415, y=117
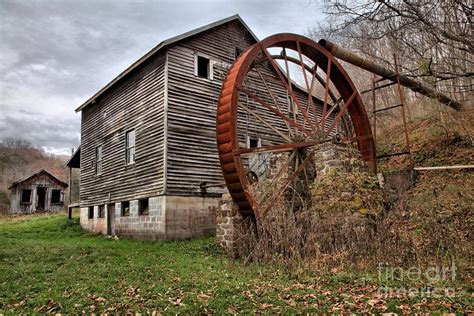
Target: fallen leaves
x=51, y=306
x=177, y=301
x=203, y=297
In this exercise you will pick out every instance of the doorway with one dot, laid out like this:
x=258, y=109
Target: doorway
x=41, y=194
x=111, y=219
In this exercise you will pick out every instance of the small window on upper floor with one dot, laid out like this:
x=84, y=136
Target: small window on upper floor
x=238, y=51
x=130, y=147
x=292, y=109
x=253, y=142
x=98, y=160
x=203, y=67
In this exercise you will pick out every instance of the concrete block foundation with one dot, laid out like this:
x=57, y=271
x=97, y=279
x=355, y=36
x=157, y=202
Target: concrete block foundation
x=168, y=218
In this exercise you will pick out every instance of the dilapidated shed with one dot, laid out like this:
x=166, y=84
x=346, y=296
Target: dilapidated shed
x=40, y=191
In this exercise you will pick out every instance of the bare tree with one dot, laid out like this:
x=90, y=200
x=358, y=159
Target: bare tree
x=433, y=39
x=15, y=143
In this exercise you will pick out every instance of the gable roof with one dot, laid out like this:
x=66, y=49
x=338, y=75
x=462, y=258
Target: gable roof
x=163, y=45
x=37, y=173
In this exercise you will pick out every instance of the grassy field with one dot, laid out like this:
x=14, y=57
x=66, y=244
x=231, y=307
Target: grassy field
x=48, y=264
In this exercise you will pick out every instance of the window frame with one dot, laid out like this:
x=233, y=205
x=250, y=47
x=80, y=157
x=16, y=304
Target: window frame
x=129, y=148
x=90, y=212
x=122, y=208
x=59, y=196
x=99, y=159
x=257, y=139
x=143, y=207
x=210, y=66
x=21, y=197
x=101, y=211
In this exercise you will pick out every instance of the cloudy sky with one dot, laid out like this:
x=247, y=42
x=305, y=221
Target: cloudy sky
x=54, y=55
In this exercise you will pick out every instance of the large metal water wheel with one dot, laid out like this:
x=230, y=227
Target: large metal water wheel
x=281, y=97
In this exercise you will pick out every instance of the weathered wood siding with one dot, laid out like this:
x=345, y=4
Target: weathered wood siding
x=192, y=157
x=136, y=103
x=173, y=113
x=192, y=102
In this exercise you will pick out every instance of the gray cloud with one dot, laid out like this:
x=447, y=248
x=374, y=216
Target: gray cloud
x=55, y=54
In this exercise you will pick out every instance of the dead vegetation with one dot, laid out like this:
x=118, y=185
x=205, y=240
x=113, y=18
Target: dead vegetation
x=360, y=227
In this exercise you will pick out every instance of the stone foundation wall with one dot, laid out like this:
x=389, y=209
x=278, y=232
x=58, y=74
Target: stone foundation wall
x=339, y=156
x=227, y=220
x=169, y=217
x=328, y=156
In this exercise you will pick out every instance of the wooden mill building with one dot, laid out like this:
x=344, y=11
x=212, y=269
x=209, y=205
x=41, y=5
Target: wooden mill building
x=38, y=192
x=148, y=151
x=148, y=156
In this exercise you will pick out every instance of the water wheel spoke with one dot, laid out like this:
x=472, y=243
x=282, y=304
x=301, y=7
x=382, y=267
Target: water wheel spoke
x=333, y=107
x=288, y=88
x=287, y=182
x=276, y=111
x=341, y=113
x=277, y=176
x=274, y=148
x=309, y=89
x=300, y=72
x=310, y=94
x=326, y=93
x=269, y=91
x=263, y=121
x=297, y=161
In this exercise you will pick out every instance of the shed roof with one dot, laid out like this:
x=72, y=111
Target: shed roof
x=161, y=46
x=75, y=160
x=37, y=173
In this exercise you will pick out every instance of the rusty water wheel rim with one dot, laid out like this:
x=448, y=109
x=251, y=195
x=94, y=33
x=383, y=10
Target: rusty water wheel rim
x=348, y=112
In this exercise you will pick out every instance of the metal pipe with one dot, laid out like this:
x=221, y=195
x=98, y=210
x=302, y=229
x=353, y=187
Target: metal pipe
x=388, y=74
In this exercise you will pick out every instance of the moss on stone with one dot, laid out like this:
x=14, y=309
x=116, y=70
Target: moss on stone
x=347, y=190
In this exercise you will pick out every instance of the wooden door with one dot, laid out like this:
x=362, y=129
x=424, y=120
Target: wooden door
x=111, y=219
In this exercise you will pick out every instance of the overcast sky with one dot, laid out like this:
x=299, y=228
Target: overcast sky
x=54, y=55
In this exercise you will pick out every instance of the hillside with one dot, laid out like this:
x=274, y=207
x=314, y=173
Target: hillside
x=20, y=159
x=434, y=219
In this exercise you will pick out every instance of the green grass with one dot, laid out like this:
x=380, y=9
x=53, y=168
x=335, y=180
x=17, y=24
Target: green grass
x=48, y=264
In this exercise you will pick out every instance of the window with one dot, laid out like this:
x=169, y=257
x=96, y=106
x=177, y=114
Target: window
x=143, y=207
x=253, y=143
x=98, y=160
x=101, y=211
x=125, y=208
x=91, y=212
x=292, y=111
x=26, y=196
x=55, y=196
x=238, y=51
x=130, y=147
x=203, y=67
